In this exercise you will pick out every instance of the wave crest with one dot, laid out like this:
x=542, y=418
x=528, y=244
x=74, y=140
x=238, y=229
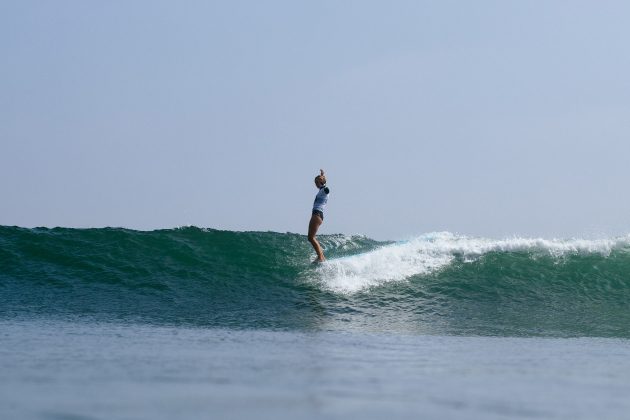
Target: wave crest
x=431, y=252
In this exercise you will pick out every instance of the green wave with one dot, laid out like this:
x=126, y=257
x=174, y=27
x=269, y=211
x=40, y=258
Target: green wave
x=206, y=277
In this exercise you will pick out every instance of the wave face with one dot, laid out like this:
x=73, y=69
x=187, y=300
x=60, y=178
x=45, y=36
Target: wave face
x=437, y=283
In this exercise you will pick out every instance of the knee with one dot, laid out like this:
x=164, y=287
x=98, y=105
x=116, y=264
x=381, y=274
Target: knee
x=311, y=239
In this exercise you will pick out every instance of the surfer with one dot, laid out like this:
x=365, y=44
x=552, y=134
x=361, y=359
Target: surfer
x=317, y=217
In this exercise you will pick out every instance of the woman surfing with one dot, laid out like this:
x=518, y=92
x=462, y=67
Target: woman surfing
x=317, y=216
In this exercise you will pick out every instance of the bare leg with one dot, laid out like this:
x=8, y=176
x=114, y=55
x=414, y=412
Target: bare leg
x=313, y=225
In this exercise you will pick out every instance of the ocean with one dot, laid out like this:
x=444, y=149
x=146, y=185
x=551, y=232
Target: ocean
x=114, y=323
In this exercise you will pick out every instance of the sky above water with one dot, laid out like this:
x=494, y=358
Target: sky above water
x=493, y=118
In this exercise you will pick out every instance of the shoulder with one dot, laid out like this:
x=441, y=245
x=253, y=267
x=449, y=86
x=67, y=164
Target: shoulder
x=327, y=190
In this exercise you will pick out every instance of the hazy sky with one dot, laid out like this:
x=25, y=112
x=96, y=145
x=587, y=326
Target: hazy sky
x=491, y=118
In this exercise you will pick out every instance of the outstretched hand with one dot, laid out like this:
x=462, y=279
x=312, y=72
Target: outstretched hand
x=321, y=172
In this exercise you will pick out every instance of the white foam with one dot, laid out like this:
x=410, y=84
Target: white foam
x=434, y=251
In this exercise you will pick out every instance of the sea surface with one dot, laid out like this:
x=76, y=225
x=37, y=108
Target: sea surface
x=194, y=323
